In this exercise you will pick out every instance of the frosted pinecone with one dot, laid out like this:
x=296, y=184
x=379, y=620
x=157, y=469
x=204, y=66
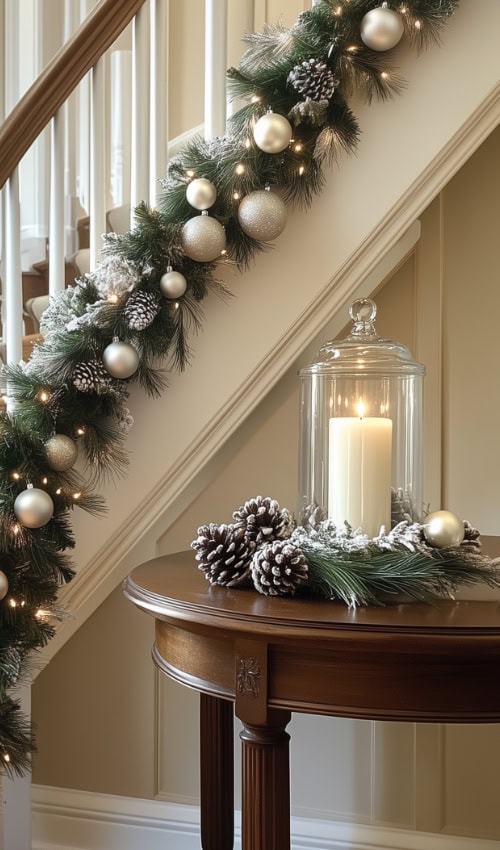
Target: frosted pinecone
x=279, y=569
x=141, y=310
x=224, y=554
x=471, y=536
x=313, y=79
x=90, y=376
x=263, y=520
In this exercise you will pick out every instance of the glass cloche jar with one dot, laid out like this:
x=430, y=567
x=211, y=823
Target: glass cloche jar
x=361, y=430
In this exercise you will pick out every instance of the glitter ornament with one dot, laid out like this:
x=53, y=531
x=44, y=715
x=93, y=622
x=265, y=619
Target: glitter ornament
x=201, y=193
x=33, y=507
x=381, y=28
x=262, y=215
x=272, y=133
x=61, y=452
x=4, y=585
x=203, y=238
x=173, y=284
x=443, y=529
x=120, y=359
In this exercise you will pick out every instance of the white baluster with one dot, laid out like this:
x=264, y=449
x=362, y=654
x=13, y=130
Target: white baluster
x=83, y=179
x=121, y=126
x=159, y=11
x=70, y=144
x=97, y=162
x=215, y=67
x=140, y=109
x=240, y=20
x=13, y=278
x=56, y=231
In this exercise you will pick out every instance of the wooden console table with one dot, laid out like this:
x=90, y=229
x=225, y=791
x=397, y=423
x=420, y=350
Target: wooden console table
x=274, y=656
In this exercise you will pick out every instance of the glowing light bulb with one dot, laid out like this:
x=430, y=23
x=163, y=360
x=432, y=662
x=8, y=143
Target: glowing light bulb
x=12, y=603
x=58, y=491
x=302, y=168
x=384, y=75
x=418, y=25
x=76, y=495
x=6, y=757
x=15, y=528
x=44, y=396
x=298, y=147
x=255, y=98
x=80, y=431
x=247, y=143
x=113, y=298
x=190, y=173
x=239, y=168
x=337, y=11
x=44, y=480
x=16, y=476
x=236, y=196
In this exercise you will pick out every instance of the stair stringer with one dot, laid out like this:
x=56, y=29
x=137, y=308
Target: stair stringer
x=288, y=296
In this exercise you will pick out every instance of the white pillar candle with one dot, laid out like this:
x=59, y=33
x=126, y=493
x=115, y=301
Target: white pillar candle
x=359, y=472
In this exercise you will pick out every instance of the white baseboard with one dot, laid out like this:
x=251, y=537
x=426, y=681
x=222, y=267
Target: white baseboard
x=64, y=819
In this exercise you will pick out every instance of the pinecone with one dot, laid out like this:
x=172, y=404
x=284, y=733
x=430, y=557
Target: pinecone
x=471, y=536
x=90, y=376
x=141, y=309
x=263, y=520
x=224, y=554
x=279, y=568
x=313, y=79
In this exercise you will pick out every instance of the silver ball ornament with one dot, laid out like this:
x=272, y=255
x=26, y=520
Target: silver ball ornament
x=33, y=508
x=4, y=585
x=381, y=28
x=201, y=193
x=61, y=452
x=120, y=359
x=203, y=238
x=262, y=215
x=272, y=133
x=173, y=284
x=443, y=529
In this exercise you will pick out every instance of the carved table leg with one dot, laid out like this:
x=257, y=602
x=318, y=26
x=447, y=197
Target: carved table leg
x=266, y=784
x=216, y=773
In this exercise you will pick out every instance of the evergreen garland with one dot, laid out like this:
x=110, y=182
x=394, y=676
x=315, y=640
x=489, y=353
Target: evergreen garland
x=64, y=388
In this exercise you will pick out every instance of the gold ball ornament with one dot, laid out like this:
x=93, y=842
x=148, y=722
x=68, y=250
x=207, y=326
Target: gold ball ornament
x=173, y=284
x=61, y=452
x=33, y=507
x=443, y=529
x=201, y=193
x=203, y=238
x=120, y=359
x=262, y=215
x=272, y=133
x=381, y=28
x=4, y=585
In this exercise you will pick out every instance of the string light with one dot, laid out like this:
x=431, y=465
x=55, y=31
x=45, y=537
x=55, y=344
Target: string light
x=6, y=757
x=42, y=615
x=255, y=98
x=76, y=496
x=338, y=11
x=15, y=528
x=236, y=196
x=12, y=603
x=113, y=298
x=239, y=168
x=190, y=173
x=403, y=9
x=418, y=25
x=298, y=147
x=176, y=305
x=43, y=396
x=223, y=252
x=80, y=431
x=302, y=169
x=384, y=75
x=45, y=480
x=58, y=491
x=16, y=476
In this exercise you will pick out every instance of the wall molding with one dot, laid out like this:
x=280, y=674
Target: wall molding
x=71, y=820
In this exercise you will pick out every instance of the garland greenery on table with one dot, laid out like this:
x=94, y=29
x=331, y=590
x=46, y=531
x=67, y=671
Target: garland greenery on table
x=223, y=200
x=419, y=561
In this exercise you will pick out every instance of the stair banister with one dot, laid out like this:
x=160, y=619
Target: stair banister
x=139, y=190
x=215, y=67
x=159, y=14
x=54, y=85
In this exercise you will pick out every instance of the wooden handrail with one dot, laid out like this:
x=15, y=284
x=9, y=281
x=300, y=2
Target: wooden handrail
x=61, y=76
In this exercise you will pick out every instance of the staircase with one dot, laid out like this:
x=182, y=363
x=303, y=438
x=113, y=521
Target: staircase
x=409, y=149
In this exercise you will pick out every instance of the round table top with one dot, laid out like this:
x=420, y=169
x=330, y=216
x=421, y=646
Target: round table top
x=172, y=587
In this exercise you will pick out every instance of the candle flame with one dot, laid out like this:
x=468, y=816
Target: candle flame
x=361, y=408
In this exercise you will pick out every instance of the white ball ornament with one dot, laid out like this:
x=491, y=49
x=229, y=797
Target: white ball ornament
x=33, y=507
x=443, y=529
x=4, y=585
x=381, y=28
x=203, y=238
x=201, y=193
x=173, y=284
x=120, y=359
x=272, y=133
x=61, y=452
x=262, y=215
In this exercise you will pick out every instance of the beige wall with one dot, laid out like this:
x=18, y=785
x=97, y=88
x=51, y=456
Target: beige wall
x=104, y=725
